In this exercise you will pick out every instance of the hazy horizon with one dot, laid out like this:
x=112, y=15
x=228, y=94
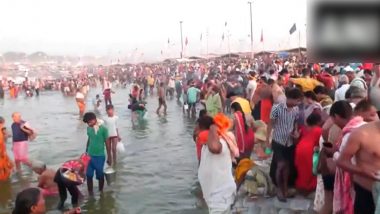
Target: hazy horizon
x=120, y=29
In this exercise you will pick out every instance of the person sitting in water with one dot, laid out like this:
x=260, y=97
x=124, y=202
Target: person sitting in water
x=46, y=180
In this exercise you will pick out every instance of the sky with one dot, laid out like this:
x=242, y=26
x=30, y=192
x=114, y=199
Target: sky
x=122, y=28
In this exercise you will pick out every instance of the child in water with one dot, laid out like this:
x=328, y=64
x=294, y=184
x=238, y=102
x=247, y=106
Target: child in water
x=111, y=124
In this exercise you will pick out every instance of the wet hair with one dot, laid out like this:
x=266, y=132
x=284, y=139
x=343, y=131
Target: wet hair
x=205, y=122
x=25, y=200
x=306, y=71
x=108, y=107
x=97, y=96
x=236, y=107
x=271, y=81
x=368, y=71
x=341, y=108
x=320, y=90
x=88, y=117
x=314, y=119
x=294, y=93
x=284, y=71
x=202, y=113
x=264, y=79
x=363, y=106
x=311, y=95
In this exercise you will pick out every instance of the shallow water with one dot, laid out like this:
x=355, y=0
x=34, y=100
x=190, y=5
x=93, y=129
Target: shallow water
x=156, y=174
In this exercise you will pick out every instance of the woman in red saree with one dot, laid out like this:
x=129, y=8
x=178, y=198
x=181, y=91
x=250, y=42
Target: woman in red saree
x=309, y=138
x=245, y=136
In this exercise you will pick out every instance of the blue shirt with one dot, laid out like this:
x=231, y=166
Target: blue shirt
x=17, y=133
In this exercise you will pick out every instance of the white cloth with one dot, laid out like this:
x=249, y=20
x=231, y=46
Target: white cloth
x=251, y=87
x=340, y=93
x=79, y=95
x=111, y=125
x=171, y=83
x=359, y=82
x=216, y=180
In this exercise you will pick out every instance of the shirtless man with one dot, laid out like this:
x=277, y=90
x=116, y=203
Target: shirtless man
x=46, y=180
x=161, y=98
x=278, y=92
x=363, y=146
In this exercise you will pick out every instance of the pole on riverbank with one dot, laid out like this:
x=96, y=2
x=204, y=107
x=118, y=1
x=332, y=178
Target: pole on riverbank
x=180, y=25
x=250, y=13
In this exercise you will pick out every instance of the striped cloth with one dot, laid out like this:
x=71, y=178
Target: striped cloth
x=284, y=121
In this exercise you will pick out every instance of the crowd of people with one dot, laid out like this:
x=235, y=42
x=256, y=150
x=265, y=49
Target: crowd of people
x=326, y=110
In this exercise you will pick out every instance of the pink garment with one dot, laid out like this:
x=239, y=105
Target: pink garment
x=344, y=193
x=48, y=192
x=20, y=151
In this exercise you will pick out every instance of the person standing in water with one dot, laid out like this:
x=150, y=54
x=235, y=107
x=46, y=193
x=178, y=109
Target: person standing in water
x=5, y=163
x=161, y=98
x=79, y=97
x=97, y=138
x=20, y=135
x=111, y=124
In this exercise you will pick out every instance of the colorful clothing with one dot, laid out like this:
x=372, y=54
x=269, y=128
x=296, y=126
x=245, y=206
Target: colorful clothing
x=192, y=93
x=244, y=104
x=213, y=104
x=5, y=163
x=265, y=110
x=303, y=158
x=97, y=139
x=307, y=84
x=201, y=140
x=244, y=138
x=344, y=193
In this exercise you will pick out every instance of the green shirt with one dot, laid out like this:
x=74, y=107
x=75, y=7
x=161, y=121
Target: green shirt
x=213, y=104
x=97, y=141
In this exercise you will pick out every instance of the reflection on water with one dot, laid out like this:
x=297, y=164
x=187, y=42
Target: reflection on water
x=156, y=174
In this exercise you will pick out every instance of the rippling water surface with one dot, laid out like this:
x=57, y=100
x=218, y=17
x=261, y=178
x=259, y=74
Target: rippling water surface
x=156, y=174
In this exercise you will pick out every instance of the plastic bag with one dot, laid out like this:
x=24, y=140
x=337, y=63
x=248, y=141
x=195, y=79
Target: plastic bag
x=120, y=147
x=315, y=162
x=145, y=115
x=186, y=107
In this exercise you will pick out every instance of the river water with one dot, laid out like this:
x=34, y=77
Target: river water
x=156, y=174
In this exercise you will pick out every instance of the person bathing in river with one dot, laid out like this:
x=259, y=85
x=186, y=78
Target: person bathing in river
x=76, y=169
x=161, y=98
x=111, y=124
x=96, y=103
x=79, y=97
x=20, y=134
x=97, y=138
x=46, y=180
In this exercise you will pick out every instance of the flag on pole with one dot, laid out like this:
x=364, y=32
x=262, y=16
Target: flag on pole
x=262, y=36
x=223, y=37
x=225, y=24
x=186, y=41
x=201, y=37
x=293, y=29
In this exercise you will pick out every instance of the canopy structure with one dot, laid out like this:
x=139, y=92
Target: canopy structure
x=283, y=54
x=230, y=55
